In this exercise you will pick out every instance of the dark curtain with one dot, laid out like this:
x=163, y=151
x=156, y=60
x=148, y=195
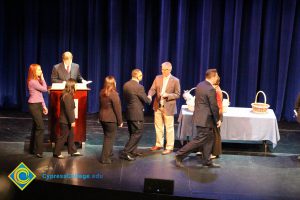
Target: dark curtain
x=254, y=44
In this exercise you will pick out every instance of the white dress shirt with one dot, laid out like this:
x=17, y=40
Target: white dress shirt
x=66, y=67
x=163, y=89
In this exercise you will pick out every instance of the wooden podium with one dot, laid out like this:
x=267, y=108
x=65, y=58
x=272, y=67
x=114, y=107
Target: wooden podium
x=80, y=98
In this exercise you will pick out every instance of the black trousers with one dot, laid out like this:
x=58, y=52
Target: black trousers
x=37, y=130
x=135, y=129
x=205, y=139
x=66, y=134
x=217, y=146
x=109, y=129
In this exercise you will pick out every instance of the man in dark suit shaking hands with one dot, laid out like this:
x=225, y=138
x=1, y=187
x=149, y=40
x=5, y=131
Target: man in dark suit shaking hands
x=135, y=98
x=205, y=117
x=66, y=69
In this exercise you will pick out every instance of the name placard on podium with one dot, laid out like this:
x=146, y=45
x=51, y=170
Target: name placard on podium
x=76, y=108
x=58, y=86
x=81, y=86
x=61, y=86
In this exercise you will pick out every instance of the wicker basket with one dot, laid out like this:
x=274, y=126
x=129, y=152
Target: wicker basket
x=190, y=99
x=260, y=107
x=225, y=102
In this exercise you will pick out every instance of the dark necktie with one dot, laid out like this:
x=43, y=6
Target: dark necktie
x=68, y=69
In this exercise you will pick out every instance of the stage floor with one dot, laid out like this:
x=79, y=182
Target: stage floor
x=245, y=173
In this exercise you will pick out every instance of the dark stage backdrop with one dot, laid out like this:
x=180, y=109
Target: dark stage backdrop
x=254, y=44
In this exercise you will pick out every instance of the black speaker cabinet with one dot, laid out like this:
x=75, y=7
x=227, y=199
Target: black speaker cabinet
x=160, y=186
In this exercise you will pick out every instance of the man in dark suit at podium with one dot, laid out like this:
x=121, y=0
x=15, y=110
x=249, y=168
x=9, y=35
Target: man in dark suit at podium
x=66, y=69
x=205, y=117
x=135, y=98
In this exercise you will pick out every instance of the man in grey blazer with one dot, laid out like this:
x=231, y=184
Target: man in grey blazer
x=135, y=98
x=65, y=70
x=167, y=90
x=205, y=117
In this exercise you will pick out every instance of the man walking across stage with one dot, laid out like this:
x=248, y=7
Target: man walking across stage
x=135, y=97
x=167, y=90
x=205, y=117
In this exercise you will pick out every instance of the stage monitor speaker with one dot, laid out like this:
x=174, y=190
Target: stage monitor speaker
x=160, y=186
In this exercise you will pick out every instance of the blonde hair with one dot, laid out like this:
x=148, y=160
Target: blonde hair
x=218, y=81
x=67, y=55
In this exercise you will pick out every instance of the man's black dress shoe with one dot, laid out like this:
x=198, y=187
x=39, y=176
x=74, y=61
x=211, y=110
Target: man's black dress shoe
x=137, y=154
x=127, y=157
x=59, y=156
x=39, y=155
x=211, y=165
x=76, y=154
x=105, y=162
x=178, y=162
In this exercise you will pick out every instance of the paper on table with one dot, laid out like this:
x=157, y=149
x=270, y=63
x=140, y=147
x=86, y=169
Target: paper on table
x=81, y=86
x=88, y=82
x=58, y=86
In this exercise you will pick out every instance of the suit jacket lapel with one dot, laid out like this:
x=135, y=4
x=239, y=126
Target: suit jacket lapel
x=62, y=67
x=160, y=83
x=63, y=70
x=71, y=69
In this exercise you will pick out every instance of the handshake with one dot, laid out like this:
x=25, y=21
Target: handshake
x=164, y=95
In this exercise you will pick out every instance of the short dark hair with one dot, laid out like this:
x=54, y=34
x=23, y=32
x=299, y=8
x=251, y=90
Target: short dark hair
x=135, y=73
x=210, y=73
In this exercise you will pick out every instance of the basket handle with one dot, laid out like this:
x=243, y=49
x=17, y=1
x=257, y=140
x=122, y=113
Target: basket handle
x=226, y=94
x=265, y=98
x=192, y=89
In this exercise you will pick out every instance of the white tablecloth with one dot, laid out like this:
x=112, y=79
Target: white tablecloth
x=238, y=124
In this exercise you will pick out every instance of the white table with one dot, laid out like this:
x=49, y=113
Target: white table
x=238, y=124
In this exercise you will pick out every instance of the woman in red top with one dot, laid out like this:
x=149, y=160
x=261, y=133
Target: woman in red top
x=217, y=147
x=36, y=104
